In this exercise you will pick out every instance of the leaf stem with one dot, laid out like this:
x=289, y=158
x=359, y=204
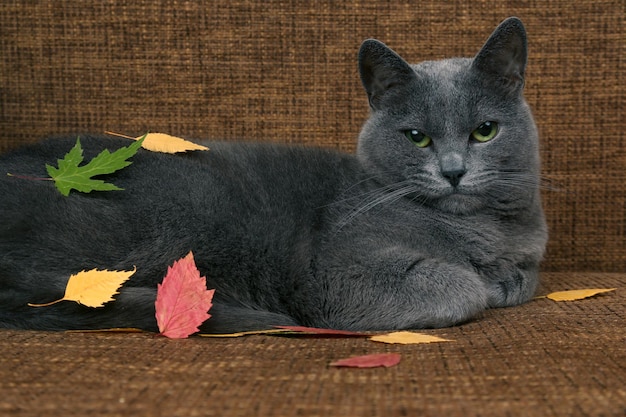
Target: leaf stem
x=106, y=132
x=46, y=304
x=28, y=177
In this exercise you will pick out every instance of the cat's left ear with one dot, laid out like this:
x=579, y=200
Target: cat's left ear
x=504, y=55
x=383, y=72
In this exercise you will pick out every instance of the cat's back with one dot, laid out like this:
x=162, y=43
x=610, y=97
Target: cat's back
x=241, y=161
x=230, y=179
x=234, y=201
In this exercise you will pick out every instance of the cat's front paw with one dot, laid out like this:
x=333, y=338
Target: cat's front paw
x=445, y=294
x=511, y=285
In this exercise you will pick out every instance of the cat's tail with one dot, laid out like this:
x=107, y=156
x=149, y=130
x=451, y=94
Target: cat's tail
x=227, y=318
x=132, y=308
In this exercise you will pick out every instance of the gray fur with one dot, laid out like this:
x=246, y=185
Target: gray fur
x=393, y=237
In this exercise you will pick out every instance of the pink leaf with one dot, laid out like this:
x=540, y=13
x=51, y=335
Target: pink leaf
x=182, y=300
x=314, y=331
x=369, y=361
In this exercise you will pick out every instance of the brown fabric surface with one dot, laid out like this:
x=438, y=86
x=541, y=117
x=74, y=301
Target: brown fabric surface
x=540, y=359
x=286, y=71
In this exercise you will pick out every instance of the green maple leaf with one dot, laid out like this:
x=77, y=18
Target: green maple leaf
x=70, y=176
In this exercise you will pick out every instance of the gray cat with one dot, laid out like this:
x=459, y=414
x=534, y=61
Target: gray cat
x=436, y=218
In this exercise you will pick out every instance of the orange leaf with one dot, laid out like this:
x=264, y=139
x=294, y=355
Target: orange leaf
x=573, y=295
x=407, y=338
x=369, y=361
x=182, y=300
x=92, y=288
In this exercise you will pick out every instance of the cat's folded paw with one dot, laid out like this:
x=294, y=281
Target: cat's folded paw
x=464, y=295
x=445, y=294
x=511, y=286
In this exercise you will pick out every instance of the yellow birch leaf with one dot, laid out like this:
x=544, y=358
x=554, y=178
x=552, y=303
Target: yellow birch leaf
x=162, y=142
x=407, y=338
x=573, y=295
x=92, y=288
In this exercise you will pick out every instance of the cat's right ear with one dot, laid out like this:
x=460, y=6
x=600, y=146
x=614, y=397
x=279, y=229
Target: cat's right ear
x=383, y=72
x=504, y=55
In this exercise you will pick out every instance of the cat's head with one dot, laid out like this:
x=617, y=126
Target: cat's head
x=457, y=132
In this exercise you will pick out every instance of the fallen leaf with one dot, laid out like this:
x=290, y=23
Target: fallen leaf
x=182, y=301
x=111, y=330
x=241, y=334
x=162, y=142
x=407, y=338
x=314, y=331
x=70, y=176
x=92, y=288
x=369, y=361
x=573, y=295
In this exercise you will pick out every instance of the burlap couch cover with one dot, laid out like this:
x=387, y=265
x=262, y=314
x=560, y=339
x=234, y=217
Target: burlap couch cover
x=286, y=71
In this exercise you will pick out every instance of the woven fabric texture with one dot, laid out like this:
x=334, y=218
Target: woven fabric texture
x=541, y=359
x=286, y=71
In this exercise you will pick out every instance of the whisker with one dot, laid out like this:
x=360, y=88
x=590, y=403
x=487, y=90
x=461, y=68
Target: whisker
x=377, y=191
x=383, y=195
x=364, y=180
x=518, y=178
x=551, y=184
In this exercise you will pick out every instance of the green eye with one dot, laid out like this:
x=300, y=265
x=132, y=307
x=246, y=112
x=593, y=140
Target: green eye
x=485, y=132
x=418, y=138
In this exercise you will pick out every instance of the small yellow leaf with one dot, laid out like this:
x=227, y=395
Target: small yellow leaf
x=407, y=338
x=573, y=295
x=162, y=142
x=92, y=288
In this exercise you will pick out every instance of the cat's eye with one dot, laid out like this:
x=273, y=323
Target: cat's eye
x=485, y=132
x=418, y=138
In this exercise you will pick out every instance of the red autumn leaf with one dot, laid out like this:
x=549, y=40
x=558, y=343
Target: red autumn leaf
x=182, y=300
x=314, y=331
x=369, y=361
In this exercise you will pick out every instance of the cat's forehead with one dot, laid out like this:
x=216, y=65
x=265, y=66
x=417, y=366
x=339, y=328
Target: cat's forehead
x=446, y=84
x=447, y=95
x=445, y=69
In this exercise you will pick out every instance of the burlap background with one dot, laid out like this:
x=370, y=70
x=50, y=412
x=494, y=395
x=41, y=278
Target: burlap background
x=286, y=71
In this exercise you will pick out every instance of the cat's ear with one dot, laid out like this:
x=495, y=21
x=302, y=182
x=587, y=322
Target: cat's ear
x=504, y=55
x=383, y=72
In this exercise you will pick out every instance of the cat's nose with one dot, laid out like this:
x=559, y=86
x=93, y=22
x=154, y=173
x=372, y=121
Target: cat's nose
x=454, y=176
x=453, y=168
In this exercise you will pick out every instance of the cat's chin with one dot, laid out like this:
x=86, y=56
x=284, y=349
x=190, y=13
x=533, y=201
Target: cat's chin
x=459, y=204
